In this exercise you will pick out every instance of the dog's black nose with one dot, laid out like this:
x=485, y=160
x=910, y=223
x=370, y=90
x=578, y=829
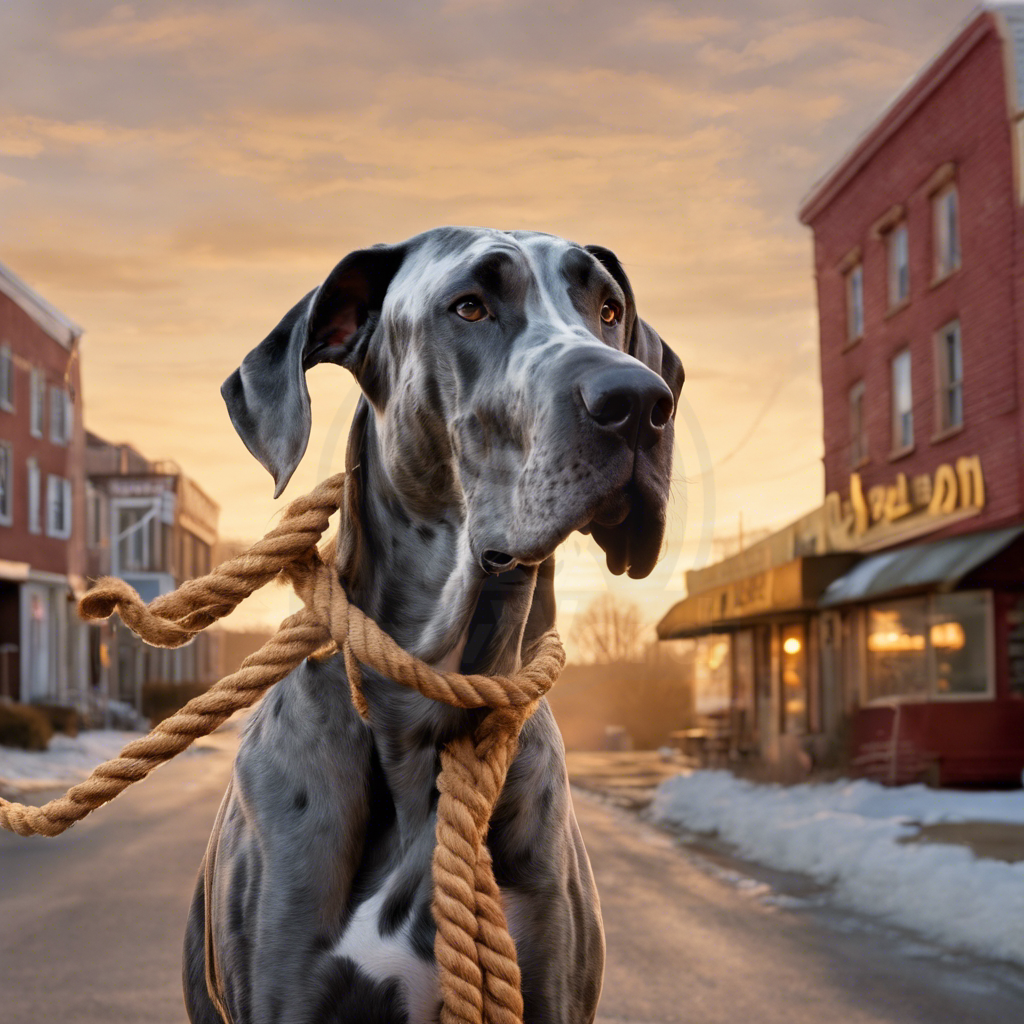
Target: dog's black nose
x=631, y=402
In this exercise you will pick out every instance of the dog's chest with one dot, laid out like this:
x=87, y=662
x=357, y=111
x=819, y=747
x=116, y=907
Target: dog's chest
x=386, y=952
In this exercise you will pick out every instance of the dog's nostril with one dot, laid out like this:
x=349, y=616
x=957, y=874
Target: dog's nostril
x=661, y=413
x=496, y=561
x=616, y=408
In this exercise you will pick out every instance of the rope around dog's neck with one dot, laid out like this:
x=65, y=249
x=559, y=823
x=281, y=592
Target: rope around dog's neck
x=479, y=972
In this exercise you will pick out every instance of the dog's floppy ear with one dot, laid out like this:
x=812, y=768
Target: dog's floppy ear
x=267, y=397
x=644, y=342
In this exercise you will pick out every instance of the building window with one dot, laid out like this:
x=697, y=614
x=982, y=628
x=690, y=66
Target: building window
x=60, y=416
x=38, y=402
x=946, y=227
x=94, y=518
x=134, y=525
x=950, y=377
x=902, y=403
x=898, y=247
x=855, y=303
x=858, y=430
x=34, y=504
x=929, y=647
x=58, y=507
x=6, y=379
x=6, y=473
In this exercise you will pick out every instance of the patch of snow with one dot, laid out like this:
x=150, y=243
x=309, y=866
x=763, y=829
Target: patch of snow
x=68, y=760
x=847, y=835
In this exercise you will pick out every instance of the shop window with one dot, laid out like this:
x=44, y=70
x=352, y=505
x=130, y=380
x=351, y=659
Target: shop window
x=898, y=252
x=946, y=228
x=897, y=655
x=855, y=303
x=926, y=647
x=950, y=377
x=902, y=403
x=958, y=633
x=6, y=472
x=858, y=428
x=794, y=680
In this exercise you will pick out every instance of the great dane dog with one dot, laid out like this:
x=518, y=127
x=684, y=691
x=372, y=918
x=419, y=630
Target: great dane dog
x=510, y=395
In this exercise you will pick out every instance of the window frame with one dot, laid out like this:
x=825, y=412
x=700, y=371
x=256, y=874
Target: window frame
x=6, y=378
x=940, y=268
x=60, y=404
x=37, y=402
x=34, y=479
x=944, y=384
x=898, y=446
x=60, y=531
x=893, y=275
x=854, y=324
x=7, y=516
x=857, y=392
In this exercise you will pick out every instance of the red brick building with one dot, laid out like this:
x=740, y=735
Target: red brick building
x=895, y=613
x=43, y=646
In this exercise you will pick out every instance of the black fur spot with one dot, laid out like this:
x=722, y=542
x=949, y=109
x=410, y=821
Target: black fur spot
x=398, y=905
x=423, y=931
x=301, y=800
x=350, y=996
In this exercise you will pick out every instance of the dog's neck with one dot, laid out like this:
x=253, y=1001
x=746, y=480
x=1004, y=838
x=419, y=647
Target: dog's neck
x=415, y=576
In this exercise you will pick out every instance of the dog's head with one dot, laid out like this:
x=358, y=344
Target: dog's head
x=511, y=381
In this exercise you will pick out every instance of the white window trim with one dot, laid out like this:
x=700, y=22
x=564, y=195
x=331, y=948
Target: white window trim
x=33, y=474
x=8, y=519
x=5, y=356
x=989, y=693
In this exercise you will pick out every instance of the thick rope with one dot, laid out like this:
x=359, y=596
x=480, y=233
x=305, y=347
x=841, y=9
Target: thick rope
x=476, y=956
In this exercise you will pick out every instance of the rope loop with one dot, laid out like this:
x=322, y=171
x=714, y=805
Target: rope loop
x=476, y=957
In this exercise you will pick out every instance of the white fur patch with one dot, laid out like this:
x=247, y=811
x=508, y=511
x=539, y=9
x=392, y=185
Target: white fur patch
x=391, y=957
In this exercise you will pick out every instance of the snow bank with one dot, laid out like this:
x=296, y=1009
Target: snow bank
x=846, y=834
x=67, y=761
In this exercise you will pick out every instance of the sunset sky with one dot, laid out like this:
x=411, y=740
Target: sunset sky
x=174, y=176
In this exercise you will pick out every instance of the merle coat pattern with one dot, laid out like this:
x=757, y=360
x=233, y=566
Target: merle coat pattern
x=511, y=395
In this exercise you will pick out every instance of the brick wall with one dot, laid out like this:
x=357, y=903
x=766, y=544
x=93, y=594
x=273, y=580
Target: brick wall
x=966, y=121
x=31, y=347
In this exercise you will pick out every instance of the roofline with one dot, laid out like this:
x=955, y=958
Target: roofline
x=908, y=101
x=58, y=326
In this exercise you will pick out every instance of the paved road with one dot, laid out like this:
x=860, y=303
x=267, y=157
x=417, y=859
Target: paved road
x=91, y=926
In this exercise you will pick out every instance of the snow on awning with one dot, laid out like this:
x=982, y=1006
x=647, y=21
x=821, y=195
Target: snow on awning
x=940, y=564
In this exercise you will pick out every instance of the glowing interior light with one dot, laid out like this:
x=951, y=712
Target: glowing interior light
x=949, y=635
x=792, y=645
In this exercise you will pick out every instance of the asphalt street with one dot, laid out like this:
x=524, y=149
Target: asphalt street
x=91, y=926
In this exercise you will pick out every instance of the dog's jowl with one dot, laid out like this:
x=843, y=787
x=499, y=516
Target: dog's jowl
x=510, y=395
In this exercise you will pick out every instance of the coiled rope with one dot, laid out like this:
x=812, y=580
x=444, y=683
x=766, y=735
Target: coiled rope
x=479, y=971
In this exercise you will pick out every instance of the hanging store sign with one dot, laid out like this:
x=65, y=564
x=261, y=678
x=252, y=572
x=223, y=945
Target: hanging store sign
x=883, y=514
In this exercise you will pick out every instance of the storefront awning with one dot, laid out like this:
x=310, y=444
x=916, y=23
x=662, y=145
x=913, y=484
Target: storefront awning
x=941, y=564
x=792, y=587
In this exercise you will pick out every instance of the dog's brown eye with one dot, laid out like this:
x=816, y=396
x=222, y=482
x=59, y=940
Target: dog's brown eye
x=470, y=309
x=611, y=313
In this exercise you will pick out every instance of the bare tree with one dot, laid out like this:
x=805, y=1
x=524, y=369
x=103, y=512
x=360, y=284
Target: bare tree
x=609, y=629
